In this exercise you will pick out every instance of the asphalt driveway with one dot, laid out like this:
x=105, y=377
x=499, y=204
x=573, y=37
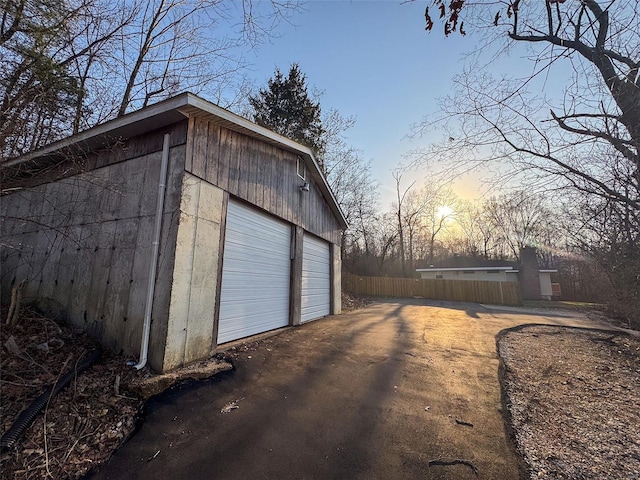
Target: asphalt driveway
x=374, y=394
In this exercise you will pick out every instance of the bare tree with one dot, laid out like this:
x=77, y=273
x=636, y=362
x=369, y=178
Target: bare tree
x=582, y=144
x=439, y=203
x=591, y=140
x=477, y=233
x=380, y=258
x=520, y=220
x=349, y=176
x=400, y=217
x=70, y=65
x=421, y=216
x=609, y=233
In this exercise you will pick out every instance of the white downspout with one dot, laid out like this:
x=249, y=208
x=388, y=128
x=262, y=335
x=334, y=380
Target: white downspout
x=162, y=186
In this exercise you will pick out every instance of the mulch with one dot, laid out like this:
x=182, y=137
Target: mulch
x=80, y=427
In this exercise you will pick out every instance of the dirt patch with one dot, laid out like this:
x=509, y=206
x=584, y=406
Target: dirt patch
x=572, y=397
x=87, y=421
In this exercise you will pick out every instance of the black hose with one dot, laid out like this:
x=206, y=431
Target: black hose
x=27, y=416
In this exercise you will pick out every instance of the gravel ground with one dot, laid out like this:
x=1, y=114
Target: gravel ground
x=573, y=398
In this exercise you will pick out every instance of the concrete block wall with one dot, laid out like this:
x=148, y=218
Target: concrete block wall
x=336, y=279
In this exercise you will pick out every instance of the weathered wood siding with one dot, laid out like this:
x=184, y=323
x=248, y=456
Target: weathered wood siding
x=259, y=173
x=83, y=241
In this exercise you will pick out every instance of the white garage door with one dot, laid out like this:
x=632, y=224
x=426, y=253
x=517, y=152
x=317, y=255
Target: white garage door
x=316, y=279
x=254, y=294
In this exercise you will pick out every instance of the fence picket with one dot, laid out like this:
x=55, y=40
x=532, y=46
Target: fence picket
x=502, y=293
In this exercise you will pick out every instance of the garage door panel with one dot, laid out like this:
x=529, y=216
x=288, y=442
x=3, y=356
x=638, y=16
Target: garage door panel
x=254, y=295
x=246, y=326
x=257, y=255
x=248, y=311
x=262, y=277
x=316, y=279
x=268, y=284
x=240, y=295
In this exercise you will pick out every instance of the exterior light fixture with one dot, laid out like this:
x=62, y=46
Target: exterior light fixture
x=305, y=187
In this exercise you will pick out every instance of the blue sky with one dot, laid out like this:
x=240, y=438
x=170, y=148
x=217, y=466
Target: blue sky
x=373, y=59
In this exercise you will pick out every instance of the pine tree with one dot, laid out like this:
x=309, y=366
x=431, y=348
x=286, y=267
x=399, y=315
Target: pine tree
x=286, y=108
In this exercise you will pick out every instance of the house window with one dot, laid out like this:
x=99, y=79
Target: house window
x=438, y=275
x=302, y=171
x=493, y=271
x=468, y=272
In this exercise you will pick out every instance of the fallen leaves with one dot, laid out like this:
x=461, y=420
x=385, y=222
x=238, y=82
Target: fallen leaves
x=230, y=406
x=89, y=419
x=83, y=424
x=572, y=397
x=354, y=302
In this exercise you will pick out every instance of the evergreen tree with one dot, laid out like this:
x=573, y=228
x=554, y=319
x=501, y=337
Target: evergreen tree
x=286, y=108
x=37, y=90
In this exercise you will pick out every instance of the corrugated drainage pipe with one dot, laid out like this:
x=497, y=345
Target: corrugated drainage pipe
x=27, y=416
x=162, y=186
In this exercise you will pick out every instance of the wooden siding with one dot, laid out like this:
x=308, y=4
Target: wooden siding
x=259, y=173
x=499, y=293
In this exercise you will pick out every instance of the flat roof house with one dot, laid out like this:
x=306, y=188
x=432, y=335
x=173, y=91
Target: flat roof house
x=535, y=283
x=181, y=223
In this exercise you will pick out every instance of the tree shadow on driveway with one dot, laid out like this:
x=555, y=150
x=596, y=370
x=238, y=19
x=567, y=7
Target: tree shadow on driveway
x=310, y=401
x=376, y=393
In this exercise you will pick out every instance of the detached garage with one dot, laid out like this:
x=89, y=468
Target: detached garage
x=172, y=230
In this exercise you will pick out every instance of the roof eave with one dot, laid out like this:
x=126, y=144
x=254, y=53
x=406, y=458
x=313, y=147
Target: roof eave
x=170, y=111
x=162, y=113
x=460, y=269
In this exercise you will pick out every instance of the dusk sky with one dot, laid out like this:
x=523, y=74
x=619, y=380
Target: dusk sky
x=375, y=61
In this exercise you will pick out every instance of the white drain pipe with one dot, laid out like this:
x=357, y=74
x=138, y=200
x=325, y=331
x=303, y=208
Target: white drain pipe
x=162, y=186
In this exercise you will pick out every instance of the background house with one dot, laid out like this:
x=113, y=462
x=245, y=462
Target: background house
x=535, y=283
x=248, y=231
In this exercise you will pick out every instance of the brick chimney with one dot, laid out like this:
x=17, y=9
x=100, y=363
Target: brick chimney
x=529, y=275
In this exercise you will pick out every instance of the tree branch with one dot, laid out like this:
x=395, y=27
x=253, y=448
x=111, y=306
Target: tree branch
x=619, y=144
x=571, y=170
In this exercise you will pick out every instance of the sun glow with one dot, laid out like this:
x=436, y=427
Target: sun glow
x=444, y=211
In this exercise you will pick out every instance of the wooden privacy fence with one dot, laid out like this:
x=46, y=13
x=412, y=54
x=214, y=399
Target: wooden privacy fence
x=498, y=293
